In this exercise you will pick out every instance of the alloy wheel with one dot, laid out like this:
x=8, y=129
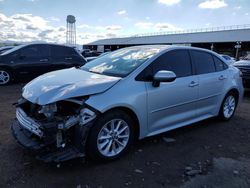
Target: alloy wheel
x=113, y=137
x=229, y=106
x=4, y=77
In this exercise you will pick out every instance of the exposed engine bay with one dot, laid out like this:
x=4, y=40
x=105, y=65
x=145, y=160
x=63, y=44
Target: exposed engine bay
x=57, y=131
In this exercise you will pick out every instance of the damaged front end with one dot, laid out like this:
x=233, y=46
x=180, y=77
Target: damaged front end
x=57, y=131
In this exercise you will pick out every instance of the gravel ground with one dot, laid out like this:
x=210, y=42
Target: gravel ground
x=210, y=153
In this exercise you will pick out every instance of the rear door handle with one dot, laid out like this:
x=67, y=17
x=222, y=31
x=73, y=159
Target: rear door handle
x=43, y=60
x=68, y=58
x=222, y=77
x=193, y=84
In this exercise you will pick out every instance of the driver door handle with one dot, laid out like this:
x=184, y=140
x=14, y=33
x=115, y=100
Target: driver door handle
x=44, y=60
x=193, y=84
x=222, y=77
x=68, y=58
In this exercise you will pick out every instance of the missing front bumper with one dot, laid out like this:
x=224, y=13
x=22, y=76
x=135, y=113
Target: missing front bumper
x=46, y=150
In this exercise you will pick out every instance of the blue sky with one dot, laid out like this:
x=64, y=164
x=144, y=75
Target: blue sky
x=28, y=20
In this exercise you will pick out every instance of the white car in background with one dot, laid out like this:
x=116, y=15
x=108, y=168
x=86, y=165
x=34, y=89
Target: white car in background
x=229, y=59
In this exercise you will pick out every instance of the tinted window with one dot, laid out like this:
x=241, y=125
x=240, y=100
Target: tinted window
x=61, y=51
x=35, y=51
x=204, y=62
x=219, y=65
x=177, y=61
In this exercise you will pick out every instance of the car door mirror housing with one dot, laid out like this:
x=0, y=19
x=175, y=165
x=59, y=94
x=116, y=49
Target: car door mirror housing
x=163, y=76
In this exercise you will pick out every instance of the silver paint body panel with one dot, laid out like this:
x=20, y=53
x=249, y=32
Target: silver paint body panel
x=158, y=109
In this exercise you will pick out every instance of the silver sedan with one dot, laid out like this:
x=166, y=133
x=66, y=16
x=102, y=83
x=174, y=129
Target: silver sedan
x=99, y=109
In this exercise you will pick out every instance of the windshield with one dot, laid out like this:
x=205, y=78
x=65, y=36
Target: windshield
x=4, y=50
x=121, y=62
x=13, y=49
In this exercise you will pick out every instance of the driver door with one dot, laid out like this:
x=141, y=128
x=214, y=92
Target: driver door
x=33, y=60
x=172, y=104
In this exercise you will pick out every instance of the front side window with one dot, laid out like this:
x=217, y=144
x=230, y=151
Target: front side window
x=121, y=62
x=177, y=61
x=204, y=62
x=35, y=51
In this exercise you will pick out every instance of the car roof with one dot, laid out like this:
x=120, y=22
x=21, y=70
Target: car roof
x=169, y=47
x=35, y=43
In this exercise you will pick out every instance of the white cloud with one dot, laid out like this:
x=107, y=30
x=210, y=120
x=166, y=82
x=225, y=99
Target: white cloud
x=213, y=4
x=29, y=28
x=54, y=19
x=237, y=8
x=247, y=14
x=169, y=2
x=144, y=25
x=83, y=26
x=113, y=27
x=156, y=26
x=1, y=1
x=109, y=27
x=122, y=12
x=165, y=27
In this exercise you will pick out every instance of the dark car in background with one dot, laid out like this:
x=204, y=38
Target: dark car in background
x=244, y=66
x=88, y=59
x=31, y=60
x=89, y=53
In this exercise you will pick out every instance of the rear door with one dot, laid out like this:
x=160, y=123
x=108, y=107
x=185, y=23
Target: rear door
x=33, y=60
x=172, y=104
x=65, y=57
x=212, y=77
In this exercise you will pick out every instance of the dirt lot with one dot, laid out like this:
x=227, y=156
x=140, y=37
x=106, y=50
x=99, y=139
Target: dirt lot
x=207, y=154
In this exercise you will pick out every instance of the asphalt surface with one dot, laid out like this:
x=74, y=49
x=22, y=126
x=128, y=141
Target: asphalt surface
x=207, y=154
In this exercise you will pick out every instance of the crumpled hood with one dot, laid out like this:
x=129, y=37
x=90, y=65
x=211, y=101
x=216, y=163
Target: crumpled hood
x=242, y=63
x=65, y=84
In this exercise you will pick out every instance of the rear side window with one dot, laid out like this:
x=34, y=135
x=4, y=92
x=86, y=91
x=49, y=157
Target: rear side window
x=177, y=61
x=219, y=65
x=35, y=51
x=203, y=61
x=61, y=51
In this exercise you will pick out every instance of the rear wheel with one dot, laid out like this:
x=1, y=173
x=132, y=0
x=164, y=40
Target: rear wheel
x=111, y=136
x=5, y=76
x=228, y=106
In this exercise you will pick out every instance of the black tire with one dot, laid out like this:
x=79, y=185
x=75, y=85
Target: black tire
x=8, y=72
x=221, y=114
x=92, y=150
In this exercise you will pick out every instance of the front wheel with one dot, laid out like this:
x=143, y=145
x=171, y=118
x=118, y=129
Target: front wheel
x=5, y=76
x=111, y=136
x=228, y=107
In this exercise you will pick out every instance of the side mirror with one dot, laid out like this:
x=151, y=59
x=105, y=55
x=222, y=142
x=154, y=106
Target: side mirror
x=163, y=76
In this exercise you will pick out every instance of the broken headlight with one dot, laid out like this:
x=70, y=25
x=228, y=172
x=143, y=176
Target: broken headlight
x=86, y=115
x=48, y=110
